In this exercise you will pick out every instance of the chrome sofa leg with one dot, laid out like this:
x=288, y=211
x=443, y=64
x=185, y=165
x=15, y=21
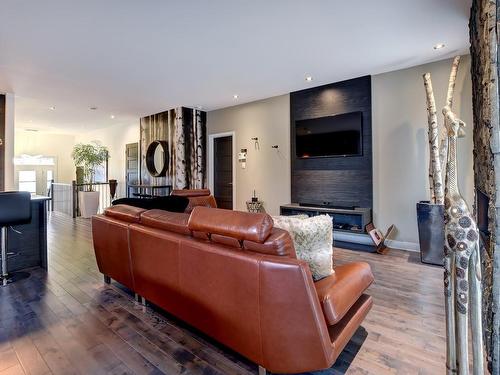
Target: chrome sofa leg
x=262, y=371
x=107, y=279
x=140, y=299
x=4, y=274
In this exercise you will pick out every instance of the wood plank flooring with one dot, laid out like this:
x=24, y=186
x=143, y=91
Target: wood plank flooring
x=67, y=321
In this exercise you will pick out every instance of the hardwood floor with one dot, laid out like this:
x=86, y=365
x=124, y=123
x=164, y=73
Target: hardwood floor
x=67, y=321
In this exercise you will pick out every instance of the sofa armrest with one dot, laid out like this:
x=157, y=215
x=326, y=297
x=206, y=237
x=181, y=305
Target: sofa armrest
x=338, y=292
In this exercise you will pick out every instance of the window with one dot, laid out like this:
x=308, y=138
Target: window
x=27, y=181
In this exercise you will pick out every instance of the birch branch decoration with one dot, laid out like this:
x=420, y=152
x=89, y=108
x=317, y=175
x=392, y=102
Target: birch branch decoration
x=438, y=135
x=435, y=173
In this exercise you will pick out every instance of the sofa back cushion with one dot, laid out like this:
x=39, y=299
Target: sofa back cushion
x=239, y=225
x=170, y=221
x=191, y=192
x=278, y=243
x=124, y=212
x=197, y=197
x=201, y=201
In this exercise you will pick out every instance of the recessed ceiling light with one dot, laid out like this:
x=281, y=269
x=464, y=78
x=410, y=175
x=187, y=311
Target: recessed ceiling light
x=53, y=108
x=112, y=117
x=235, y=96
x=93, y=108
x=439, y=46
x=309, y=78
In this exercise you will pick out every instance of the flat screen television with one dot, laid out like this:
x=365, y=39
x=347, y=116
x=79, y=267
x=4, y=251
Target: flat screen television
x=339, y=135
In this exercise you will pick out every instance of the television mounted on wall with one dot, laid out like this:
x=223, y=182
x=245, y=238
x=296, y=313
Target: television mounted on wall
x=331, y=136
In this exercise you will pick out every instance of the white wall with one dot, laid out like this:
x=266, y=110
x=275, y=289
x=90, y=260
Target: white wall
x=48, y=144
x=9, y=141
x=114, y=138
x=400, y=148
x=400, y=156
x=267, y=169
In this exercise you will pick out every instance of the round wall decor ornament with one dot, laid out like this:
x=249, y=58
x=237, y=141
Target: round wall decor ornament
x=157, y=158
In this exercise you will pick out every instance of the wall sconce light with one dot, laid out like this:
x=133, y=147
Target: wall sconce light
x=256, y=144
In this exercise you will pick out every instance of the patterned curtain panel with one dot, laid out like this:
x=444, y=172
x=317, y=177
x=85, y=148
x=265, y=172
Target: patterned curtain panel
x=184, y=130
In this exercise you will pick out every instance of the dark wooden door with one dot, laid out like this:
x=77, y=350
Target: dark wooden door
x=2, y=142
x=132, y=165
x=223, y=172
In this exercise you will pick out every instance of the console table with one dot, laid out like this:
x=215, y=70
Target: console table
x=148, y=191
x=348, y=224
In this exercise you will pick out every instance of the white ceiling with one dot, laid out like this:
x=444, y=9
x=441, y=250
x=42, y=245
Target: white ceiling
x=132, y=58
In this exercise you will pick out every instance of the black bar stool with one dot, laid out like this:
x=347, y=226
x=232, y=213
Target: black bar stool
x=15, y=209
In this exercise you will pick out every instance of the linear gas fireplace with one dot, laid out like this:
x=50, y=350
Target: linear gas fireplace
x=482, y=204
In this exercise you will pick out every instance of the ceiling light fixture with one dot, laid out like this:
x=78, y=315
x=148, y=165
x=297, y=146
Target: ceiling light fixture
x=112, y=117
x=53, y=108
x=235, y=96
x=439, y=46
x=309, y=78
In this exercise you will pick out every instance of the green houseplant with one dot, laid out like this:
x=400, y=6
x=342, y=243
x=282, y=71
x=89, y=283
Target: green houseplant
x=89, y=157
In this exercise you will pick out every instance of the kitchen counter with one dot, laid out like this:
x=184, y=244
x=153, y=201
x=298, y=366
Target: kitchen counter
x=28, y=248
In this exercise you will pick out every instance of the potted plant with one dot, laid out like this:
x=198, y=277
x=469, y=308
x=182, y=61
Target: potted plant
x=87, y=158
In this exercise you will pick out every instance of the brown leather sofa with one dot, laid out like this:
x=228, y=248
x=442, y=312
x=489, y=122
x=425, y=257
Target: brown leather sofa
x=235, y=277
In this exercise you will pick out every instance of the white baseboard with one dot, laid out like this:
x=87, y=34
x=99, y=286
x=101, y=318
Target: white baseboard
x=402, y=245
x=365, y=239
x=359, y=238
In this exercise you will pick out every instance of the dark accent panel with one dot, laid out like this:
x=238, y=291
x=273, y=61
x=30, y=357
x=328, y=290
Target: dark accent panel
x=2, y=142
x=338, y=180
x=337, y=187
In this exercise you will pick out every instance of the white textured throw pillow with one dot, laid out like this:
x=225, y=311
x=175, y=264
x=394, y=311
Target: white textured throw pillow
x=312, y=238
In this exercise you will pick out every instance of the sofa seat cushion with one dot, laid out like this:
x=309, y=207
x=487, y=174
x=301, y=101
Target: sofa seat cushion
x=337, y=293
x=312, y=238
x=124, y=212
x=170, y=203
x=171, y=221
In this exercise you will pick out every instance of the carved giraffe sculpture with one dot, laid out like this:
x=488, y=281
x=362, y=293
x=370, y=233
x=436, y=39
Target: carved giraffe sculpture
x=462, y=277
